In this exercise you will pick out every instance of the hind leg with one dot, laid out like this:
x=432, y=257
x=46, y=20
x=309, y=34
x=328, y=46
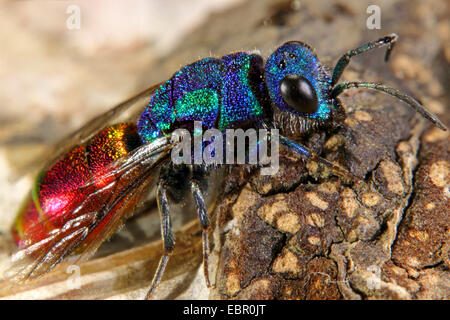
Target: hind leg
x=166, y=234
x=175, y=183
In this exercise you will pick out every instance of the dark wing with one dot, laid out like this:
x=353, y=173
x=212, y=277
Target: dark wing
x=129, y=110
x=93, y=220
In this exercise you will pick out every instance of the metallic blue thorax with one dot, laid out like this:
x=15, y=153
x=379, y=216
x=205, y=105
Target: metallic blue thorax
x=222, y=93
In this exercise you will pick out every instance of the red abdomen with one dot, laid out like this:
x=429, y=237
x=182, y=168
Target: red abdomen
x=76, y=180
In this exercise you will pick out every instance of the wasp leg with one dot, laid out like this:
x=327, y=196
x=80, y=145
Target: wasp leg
x=345, y=59
x=295, y=147
x=204, y=222
x=306, y=154
x=166, y=234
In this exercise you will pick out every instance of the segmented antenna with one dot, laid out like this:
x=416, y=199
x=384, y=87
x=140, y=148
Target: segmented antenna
x=389, y=41
x=341, y=87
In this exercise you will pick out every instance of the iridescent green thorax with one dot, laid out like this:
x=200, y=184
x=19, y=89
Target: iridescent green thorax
x=222, y=93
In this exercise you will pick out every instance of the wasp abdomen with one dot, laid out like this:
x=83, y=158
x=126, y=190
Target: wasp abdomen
x=60, y=189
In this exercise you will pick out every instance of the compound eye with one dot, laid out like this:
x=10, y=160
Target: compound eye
x=299, y=94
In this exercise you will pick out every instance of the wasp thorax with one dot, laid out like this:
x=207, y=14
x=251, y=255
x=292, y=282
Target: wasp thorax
x=299, y=94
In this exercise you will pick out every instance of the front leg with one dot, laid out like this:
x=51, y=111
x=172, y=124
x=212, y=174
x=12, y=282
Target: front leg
x=304, y=153
x=295, y=147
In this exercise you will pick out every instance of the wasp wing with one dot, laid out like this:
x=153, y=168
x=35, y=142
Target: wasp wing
x=97, y=217
x=129, y=109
